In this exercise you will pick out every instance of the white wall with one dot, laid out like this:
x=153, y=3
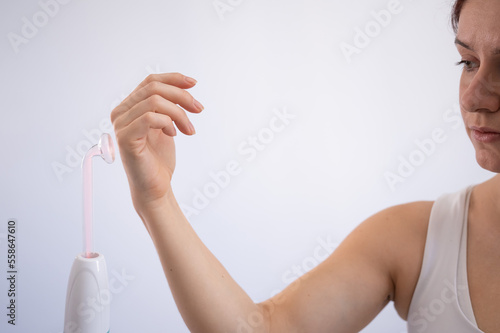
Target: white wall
x=313, y=183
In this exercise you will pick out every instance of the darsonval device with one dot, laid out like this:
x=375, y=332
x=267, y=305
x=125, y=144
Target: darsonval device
x=88, y=296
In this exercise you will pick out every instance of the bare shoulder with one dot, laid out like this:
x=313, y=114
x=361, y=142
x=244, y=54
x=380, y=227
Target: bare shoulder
x=403, y=228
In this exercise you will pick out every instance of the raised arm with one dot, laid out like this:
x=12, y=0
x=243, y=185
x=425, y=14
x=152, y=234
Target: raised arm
x=342, y=294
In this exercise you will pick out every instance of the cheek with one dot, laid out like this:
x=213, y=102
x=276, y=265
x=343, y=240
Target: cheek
x=465, y=97
x=465, y=118
x=463, y=84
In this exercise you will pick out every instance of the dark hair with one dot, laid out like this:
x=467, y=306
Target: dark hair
x=455, y=14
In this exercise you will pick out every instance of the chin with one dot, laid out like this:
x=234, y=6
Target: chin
x=488, y=160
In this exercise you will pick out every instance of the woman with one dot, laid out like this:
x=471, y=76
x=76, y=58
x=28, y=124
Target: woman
x=437, y=261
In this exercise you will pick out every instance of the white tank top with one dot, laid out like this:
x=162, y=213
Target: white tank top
x=441, y=300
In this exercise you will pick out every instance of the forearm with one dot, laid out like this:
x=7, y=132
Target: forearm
x=207, y=297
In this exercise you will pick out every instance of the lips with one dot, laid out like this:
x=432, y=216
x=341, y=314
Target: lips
x=485, y=134
x=484, y=129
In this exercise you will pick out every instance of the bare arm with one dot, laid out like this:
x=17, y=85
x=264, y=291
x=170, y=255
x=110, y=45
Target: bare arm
x=342, y=294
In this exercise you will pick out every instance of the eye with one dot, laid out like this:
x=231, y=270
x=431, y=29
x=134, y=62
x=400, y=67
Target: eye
x=467, y=65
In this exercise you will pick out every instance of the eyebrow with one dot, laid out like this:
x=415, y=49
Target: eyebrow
x=459, y=42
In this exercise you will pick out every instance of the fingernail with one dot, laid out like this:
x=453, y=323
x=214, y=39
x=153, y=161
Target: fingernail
x=190, y=80
x=191, y=128
x=198, y=105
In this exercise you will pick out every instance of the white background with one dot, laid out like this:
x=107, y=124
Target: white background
x=316, y=180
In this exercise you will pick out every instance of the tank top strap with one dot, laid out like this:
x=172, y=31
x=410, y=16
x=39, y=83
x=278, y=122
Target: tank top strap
x=444, y=235
x=462, y=280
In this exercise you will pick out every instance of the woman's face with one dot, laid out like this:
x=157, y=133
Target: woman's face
x=478, y=42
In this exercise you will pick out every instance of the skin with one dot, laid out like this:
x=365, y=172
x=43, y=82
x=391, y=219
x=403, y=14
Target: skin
x=377, y=263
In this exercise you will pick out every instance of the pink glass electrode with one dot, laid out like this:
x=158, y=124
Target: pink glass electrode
x=106, y=150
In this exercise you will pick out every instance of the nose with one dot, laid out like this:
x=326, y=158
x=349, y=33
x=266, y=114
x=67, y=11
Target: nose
x=481, y=92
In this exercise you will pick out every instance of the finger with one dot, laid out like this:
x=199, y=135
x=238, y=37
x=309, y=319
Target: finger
x=174, y=94
x=158, y=104
x=171, y=93
x=174, y=79
x=140, y=127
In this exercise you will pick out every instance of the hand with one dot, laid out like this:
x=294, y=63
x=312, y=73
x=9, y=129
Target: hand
x=144, y=130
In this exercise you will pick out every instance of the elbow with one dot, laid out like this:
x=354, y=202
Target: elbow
x=261, y=320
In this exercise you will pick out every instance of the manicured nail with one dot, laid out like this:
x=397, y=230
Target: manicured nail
x=190, y=80
x=191, y=128
x=198, y=105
